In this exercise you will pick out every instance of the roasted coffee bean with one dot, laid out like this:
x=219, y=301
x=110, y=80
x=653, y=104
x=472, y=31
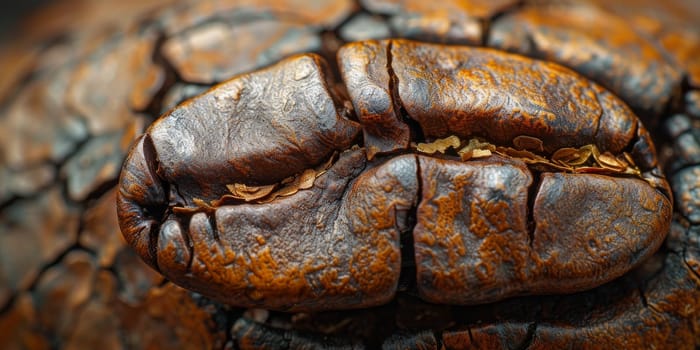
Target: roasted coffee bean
x=485, y=229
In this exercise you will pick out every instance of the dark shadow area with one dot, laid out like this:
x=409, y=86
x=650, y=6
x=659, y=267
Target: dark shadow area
x=12, y=12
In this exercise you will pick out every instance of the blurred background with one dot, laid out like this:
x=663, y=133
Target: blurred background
x=11, y=12
x=82, y=78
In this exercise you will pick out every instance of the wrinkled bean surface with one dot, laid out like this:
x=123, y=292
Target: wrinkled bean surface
x=202, y=194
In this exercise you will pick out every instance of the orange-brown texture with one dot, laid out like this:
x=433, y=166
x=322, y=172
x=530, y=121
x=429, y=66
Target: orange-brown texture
x=478, y=237
x=83, y=78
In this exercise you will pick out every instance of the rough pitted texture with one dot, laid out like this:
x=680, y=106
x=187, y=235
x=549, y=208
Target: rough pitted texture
x=60, y=130
x=27, y=245
x=207, y=54
x=377, y=228
x=673, y=27
x=443, y=21
x=616, y=56
x=117, y=81
x=473, y=243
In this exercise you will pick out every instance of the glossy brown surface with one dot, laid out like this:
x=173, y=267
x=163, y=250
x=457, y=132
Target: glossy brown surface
x=83, y=78
x=369, y=84
x=478, y=236
x=275, y=264
x=476, y=240
x=278, y=132
x=472, y=93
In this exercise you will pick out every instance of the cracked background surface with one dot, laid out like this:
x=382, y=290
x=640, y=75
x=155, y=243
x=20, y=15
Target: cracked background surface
x=79, y=87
